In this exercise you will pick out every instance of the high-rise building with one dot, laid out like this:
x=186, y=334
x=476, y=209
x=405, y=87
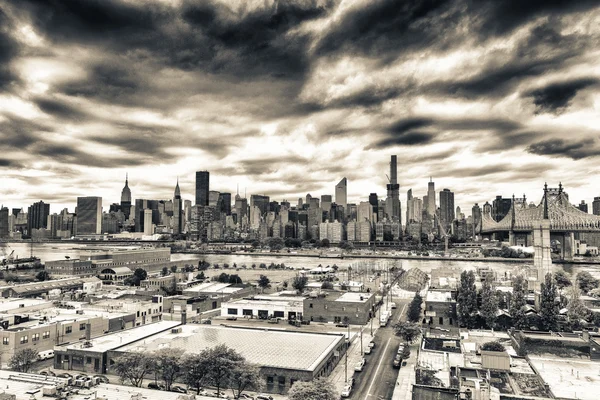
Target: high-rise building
x=446, y=208
x=341, y=193
x=148, y=227
x=126, y=198
x=213, y=198
x=202, y=185
x=414, y=210
x=89, y=215
x=596, y=206
x=476, y=215
x=4, y=225
x=392, y=201
x=364, y=212
x=326, y=203
x=500, y=207
x=37, y=216
x=177, y=211
x=225, y=202
x=430, y=205
x=583, y=207
x=374, y=202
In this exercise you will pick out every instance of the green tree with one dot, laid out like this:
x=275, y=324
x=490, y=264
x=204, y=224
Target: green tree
x=318, y=389
x=245, y=376
x=562, y=280
x=493, y=346
x=42, y=276
x=299, y=282
x=407, y=330
x=195, y=369
x=489, y=304
x=467, y=300
x=264, y=282
x=518, y=302
x=23, y=360
x=548, y=307
x=222, y=362
x=167, y=362
x=414, y=308
x=140, y=273
x=586, y=281
x=133, y=367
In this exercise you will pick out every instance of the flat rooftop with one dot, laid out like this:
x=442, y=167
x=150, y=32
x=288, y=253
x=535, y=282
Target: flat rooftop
x=13, y=304
x=277, y=349
x=354, y=297
x=439, y=296
x=115, y=340
x=569, y=378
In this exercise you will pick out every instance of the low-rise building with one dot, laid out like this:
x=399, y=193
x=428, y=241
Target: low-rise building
x=35, y=289
x=265, y=307
x=175, y=307
x=440, y=309
x=338, y=307
x=70, y=268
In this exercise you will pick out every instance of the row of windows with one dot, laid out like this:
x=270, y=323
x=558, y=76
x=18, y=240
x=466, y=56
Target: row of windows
x=310, y=305
x=25, y=339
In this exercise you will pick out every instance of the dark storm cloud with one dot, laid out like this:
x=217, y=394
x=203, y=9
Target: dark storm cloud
x=59, y=108
x=5, y=162
x=556, y=97
x=575, y=149
x=9, y=49
x=403, y=139
x=268, y=165
x=18, y=133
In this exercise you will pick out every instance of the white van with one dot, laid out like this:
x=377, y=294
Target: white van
x=45, y=355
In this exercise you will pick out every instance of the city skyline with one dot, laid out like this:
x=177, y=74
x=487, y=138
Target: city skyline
x=286, y=100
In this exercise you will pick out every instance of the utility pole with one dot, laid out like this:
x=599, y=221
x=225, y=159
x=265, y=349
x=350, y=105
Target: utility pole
x=361, y=341
x=347, y=350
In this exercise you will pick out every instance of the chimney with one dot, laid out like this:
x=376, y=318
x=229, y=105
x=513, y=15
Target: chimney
x=183, y=317
x=88, y=331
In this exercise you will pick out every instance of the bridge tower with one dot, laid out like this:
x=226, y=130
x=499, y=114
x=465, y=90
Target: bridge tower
x=542, y=261
x=511, y=233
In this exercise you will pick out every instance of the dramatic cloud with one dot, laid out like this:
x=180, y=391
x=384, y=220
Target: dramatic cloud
x=285, y=98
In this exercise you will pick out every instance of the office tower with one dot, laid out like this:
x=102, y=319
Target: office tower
x=300, y=202
x=393, y=193
x=4, y=225
x=89, y=215
x=225, y=202
x=596, y=206
x=177, y=211
x=364, y=212
x=341, y=193
x=313, y=202
x=583, y=207
x=241, y=209
x=446, y=208
x=476, y=216
x=148, y=228
x=414, y=209
x=126, y=198
x=187, y=213
x=37, y=216
x=213, y=198
x=374, y=204
x=430, y=205
x=500, y=207
x=202, y=184
x=274, y=206
x=409, y=210
x=260, y=201
x=351, y=212
x=326, y=203
x=308, y=198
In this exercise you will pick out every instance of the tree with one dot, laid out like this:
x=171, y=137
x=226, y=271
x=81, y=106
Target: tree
x=327, y=285
x=467, y=299
x=548, y=308
x=131, y=281
x=222, y=361
x=414, y=308
x=42, y=276
x=223, y=278
x=196, y=367
x=407, y=330
x=203, y=265
x=22, y=360
x=235, y=279
x=517, y=303
x=167, y=362
x=489, y=304
x=299, y=282
x=173, y=268
x=562, y=280
x=576, y=311
x=133, y=367
x=140, y=273
x=405, y=353
x=244, y=376
x=493, y=346
x=586, y=281
x=200, y=276
x=318, y=389
x=427, y=377
x=165, y=271
x=264, y=282
x=325, y=243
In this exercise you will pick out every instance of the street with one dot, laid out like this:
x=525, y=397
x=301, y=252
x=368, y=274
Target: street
x=378, y=377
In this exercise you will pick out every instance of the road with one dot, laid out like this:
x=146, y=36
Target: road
x=378, y=377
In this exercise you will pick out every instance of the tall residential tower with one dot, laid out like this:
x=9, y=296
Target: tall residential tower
x=392, y=202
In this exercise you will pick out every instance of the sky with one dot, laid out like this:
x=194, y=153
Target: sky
x=285, y=98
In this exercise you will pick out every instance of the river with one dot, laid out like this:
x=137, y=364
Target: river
x=57, y=251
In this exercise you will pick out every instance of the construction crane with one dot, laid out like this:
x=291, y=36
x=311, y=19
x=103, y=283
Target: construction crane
x=442, y=231
x=6, y=257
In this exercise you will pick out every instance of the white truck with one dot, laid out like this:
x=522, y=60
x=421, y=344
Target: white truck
x=384, y=318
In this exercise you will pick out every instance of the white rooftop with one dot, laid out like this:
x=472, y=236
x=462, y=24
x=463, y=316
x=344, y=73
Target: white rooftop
x=569, y=378
x=354, y=297
x=13, y=304
x=439, y=296
x=278, y=348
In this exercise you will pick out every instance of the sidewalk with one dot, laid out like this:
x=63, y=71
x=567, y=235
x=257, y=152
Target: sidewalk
x=407, y=375
x=337, y=376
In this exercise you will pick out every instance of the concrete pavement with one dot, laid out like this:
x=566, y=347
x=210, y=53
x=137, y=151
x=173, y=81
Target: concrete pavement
x=406, y=375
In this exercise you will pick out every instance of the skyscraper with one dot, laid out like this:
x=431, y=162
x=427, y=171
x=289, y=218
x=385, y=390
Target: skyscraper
x=89, y=215
x=392, y=202
x=430, y=205
x=126, y=198
x=4, y=216
x=583, y=206
x=37, y=216
x=476, y=214
x=374, y=202
x=446, y=208
x=225, y=202
x=326, y=203
x=177, y=211
x=202, y=185
x=596, y=206
x=341, y=193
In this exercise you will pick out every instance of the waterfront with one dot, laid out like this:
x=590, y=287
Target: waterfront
x=56, y=251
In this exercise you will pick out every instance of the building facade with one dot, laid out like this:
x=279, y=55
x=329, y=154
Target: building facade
x=89, y=215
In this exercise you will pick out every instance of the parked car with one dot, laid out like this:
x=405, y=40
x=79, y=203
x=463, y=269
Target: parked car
x=263, y=396
x=351, y=382
x=359, y=366
x=245, y=396
x=367, y=350
x=157, y=386
x=206, y=321
x=346, y=391
x=102, y=378
x=397, y=361
x=372, y=344
x=401, y=348
x=65, y=375
x=178, y=389
x=392, y=305
x=231, y=318
x=341, y=325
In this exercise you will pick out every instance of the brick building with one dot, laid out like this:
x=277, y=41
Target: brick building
x=440, y=309
x=355, y=308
